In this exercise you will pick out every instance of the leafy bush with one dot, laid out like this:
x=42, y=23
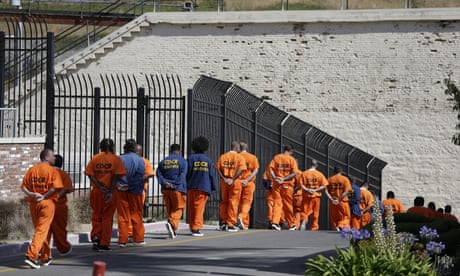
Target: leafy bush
x=367, y=260
x=15, y=220
x=387, y=253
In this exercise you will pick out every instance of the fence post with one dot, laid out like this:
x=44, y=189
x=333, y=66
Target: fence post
x=97, y=120
x=2, y=69
x=140, y=116
x=2, y=78
x=49, y=143
x=189, y=120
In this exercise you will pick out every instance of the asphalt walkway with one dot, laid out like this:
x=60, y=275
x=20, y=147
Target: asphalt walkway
x=252, y=252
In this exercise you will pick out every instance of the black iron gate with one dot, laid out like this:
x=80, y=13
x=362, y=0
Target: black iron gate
x=224, y=112
x=88, y=109
x=26, y=56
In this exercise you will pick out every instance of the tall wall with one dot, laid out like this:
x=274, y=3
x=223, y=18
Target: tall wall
x=371, y=78
x=17, y=155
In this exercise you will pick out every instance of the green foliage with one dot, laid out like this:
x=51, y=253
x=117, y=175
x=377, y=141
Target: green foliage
x=366, y=260
x=454, y=91
x=15, y=220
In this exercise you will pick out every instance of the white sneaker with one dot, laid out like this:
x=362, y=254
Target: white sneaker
x=142, y=243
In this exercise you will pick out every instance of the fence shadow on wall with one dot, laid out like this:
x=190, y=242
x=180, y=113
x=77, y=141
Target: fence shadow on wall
x=223, y=112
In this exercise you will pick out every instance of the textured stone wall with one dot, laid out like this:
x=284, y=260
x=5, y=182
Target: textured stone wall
x=375, y=85
x=17, y=155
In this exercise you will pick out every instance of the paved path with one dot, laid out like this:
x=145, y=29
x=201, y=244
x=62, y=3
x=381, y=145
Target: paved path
x=253, y=252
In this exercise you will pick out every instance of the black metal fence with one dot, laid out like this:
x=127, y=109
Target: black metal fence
x=89, y=108
x=224, y=112
x=25, y=55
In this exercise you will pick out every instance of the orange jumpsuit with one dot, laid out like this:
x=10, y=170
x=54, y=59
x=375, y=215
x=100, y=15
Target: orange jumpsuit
x=395, y=204
x=366, y=200
x=247, y=193
x=229, y=164
x=421, y=210
x=299, y=214
x=104, y=166
x=312, y=179
x=148, y=171
x=59, y=224
x=40, y=179
x=340, y=213
x=283, y=165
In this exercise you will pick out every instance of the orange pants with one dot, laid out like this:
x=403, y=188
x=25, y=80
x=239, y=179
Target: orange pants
x=282, y=197
x=247, y=196
x=228, y=207
x=365, y=219
x=59, y=227
x=270, y=204
x=311, y=206
x=299, y=214
x=340, y=215
x=175, y=205
x=144, y=196
x=102, y=216
x=196, y=204
x=42, y=214
x=355, y=222
x=130, y=209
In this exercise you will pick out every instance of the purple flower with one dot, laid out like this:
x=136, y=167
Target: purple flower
x=428, y=233
x=435, y=247
x=408, y=238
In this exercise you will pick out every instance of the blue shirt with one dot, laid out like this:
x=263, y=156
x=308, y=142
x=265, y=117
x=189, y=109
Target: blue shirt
x=201, y=173
x=354, y=199
x=173, y=169
x=134, y=166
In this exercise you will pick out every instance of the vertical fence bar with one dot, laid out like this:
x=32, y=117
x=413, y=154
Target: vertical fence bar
x=190, y=120
x=50, y=91
x=97, y=120
x=2, y=79
x=140, y=116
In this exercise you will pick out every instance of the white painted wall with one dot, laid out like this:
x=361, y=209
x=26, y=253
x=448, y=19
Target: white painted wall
x=372, y=79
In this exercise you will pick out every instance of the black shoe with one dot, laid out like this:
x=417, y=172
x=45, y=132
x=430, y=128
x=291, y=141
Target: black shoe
x=197, y=233
x=170, y=230
x=48, y=261
x=239, y=223
x=104, y=248
x=232, y=229
x=276, y=227
x=33, y=264
x=223, y=227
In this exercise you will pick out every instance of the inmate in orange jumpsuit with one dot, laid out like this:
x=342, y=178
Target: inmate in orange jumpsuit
x=366, y=201
x=148, y=173
x=229, y=164
x=421, y=210
x=283, y=165
x=105, y=167
x=59, y=225
x=299, y=214
x=247, y=193
x=312, y=179
x=39, y=180
x=340, y=213
x=395, y=204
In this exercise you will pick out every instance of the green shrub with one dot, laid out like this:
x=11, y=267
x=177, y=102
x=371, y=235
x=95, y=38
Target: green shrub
x=365, y=260
x=15, y=221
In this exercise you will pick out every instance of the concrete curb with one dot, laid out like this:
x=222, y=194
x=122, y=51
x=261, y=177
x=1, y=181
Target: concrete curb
x=84, y=237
